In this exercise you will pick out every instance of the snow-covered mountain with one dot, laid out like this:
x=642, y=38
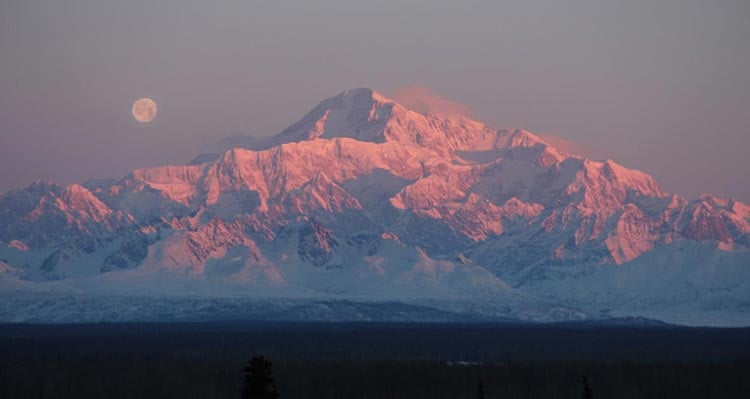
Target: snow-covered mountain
x=363, y=206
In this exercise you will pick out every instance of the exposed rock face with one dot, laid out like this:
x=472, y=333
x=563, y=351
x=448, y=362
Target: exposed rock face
x=316, y=243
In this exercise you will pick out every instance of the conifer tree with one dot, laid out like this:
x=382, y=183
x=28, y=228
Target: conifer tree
x=586, y=389
x=257, y=379
x=481, y=392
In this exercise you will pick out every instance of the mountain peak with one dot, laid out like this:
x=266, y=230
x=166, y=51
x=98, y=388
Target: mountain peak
x=359, y=113
x=365, y=92
x=366, y=115
x=365, y=198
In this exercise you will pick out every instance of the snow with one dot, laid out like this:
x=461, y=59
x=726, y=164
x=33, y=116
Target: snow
x=370, y=209
x=687, y=283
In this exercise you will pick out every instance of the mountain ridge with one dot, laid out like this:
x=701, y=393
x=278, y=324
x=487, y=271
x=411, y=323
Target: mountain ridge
x=364, y=198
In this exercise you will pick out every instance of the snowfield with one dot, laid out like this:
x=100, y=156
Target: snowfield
x=366, y=210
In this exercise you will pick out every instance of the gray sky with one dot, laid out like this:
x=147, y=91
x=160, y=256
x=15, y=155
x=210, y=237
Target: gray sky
x=660, y=85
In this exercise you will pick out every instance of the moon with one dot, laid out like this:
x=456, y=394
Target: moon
x=144, y=110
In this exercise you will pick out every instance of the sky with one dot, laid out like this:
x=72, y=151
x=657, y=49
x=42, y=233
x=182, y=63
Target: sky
x=657, y=85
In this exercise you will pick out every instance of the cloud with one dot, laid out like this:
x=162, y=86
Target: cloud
x=424, y=100
x=567, y=145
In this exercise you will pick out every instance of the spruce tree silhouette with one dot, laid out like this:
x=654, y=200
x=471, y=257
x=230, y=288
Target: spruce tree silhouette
x=481, y=391
x=586, y=388
x=257, y=379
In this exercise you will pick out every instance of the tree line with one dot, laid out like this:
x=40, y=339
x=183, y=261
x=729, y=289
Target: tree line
x=258, y=382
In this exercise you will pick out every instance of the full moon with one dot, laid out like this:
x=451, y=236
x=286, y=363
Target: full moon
x=144, y=110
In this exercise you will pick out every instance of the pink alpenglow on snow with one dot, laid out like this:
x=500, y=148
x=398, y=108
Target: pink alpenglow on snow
x=364, y=199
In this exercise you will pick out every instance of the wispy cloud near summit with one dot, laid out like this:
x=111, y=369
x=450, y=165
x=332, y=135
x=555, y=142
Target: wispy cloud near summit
x=568, y=146
x=425, y=100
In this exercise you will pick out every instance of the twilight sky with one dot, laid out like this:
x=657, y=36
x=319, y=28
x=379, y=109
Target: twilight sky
x=657, y=85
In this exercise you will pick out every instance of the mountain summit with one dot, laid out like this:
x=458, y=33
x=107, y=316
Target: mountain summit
x=364, y=209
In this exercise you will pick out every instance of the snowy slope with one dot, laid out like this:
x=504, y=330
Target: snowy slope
x=364, y=201
x=668, y=283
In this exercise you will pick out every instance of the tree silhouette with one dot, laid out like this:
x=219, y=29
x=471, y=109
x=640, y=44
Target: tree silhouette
x=586, y=388
x=257, y=379
x=481, y=392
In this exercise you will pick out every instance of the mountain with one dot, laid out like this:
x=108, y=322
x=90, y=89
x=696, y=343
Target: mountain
x=364, y=206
